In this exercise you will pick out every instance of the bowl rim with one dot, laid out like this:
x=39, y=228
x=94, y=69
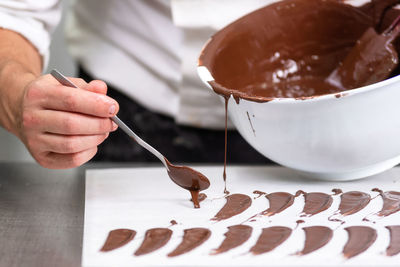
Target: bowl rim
x=206, y=77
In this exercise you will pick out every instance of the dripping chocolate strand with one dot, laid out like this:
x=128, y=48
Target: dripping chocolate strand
x=118, y=238
x=226, y=143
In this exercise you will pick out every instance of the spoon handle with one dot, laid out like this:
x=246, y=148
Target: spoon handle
x=66, y=82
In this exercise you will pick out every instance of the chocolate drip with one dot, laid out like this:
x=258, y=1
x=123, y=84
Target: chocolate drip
x=360, y=239
x=226, y=143
x=117, y=238
x=316, y=202
x=394, y=246
x=192, y=238
x=259, y=193
x=188, y=179
x=173, y=222
x=298, y=222
x=270, y=238
x=236, y=236
x=352, y=202
x=200, y=198
x=337, y=191
x=154, y=239
x=316, y=238
x=235, y=204
x=391, y=203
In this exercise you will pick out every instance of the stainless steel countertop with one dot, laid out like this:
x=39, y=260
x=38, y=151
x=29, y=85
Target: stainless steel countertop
x=41, y=214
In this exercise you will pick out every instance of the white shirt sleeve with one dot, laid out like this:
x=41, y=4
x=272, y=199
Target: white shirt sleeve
x=33, y=19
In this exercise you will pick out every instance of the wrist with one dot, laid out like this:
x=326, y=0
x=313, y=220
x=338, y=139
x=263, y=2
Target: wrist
x=14, y=78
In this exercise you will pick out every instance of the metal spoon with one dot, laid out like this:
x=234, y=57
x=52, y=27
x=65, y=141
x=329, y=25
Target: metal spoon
x=183, y=176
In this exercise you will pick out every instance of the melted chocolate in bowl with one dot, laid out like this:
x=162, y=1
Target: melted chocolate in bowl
x=286, y=49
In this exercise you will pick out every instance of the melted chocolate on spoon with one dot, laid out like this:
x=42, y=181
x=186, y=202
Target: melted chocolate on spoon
x=236, y=236
x=270, y=238
x=235, y=204
x=192, y=238
x=316, y=238
x=154, y=239
x=117, y=238
x=315, y=202
x=188, y=179
x=394, y=246
x=360, y=239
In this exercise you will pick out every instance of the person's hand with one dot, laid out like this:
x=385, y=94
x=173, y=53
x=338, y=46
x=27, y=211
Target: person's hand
x=62, y=126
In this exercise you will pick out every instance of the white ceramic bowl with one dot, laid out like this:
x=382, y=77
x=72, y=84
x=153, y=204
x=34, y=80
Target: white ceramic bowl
x=328, y=137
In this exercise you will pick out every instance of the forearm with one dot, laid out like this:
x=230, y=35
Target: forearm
x=20, y=63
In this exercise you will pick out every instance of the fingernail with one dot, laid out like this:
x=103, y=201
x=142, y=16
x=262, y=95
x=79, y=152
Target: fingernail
x=115, y=126
x=111, y=110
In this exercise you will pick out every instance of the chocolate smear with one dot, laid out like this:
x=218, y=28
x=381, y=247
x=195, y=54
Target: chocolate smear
x=154, y=239
x=360, y=239
x=391, y=203
x=278, y=202
x=394, y=246
x=316, y=238
x=188, y=179
x=270, y=238
x=352, y=202
x=315, y=202
x=117, y=238
x=192, y=238
x=235, y=204
x=236, y=236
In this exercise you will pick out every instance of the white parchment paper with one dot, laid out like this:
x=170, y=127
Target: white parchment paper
x=144, y=198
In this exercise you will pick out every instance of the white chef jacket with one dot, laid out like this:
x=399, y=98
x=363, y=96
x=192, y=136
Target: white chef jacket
x=146, y=48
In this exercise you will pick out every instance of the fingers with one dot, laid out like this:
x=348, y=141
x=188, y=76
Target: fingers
x=80, y=101
x=62, y=126
x=68, y=144
x=67, y=123
x=64, y=161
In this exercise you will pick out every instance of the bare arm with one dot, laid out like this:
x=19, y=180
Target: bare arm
x=60, y=126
